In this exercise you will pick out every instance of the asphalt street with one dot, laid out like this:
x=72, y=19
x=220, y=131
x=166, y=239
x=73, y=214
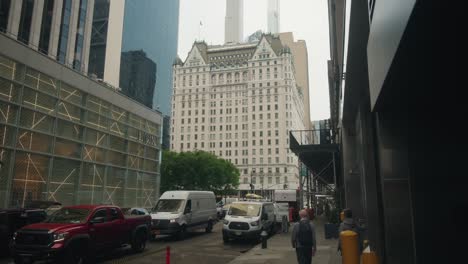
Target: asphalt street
x=198, y=247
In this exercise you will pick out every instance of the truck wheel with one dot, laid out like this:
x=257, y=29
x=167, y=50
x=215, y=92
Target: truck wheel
x=74, y=255
x=19, y=260
x=182, y=233
x=139, y=242
x=225, y=238
x=209, y=227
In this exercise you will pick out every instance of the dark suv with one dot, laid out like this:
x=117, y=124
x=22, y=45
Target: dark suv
x=13, y=219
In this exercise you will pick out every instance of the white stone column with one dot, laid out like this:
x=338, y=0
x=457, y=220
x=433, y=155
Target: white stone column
x=114, y=42
x=87, y=36
x=14, y=18
x=36, y=24
x=55, y=28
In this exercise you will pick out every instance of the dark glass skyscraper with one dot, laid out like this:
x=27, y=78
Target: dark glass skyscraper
x=152, y=27
x=138, y=76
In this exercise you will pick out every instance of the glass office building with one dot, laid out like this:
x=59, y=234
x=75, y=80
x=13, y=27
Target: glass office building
x=61, y=143
x=152, y=26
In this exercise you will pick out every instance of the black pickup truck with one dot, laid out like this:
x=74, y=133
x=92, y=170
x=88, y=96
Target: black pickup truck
x=13, y=219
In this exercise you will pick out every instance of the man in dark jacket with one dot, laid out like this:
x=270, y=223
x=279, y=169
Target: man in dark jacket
x=305, y=246
x=349, y=224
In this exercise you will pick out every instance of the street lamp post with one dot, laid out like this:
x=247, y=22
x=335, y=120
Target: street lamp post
x=262, y=179
x=251, y=184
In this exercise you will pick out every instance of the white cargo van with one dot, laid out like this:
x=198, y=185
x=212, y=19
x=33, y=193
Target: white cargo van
x=247, y=219
x=180, y=211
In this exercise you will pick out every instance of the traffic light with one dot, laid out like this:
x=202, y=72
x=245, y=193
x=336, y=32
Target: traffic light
x=252, y=187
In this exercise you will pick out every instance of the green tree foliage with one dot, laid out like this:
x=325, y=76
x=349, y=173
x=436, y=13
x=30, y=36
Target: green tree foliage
x=198, y=170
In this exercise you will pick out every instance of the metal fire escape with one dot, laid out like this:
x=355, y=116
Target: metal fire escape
x=318, y=151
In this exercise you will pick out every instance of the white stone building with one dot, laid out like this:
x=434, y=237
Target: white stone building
x=239, y=102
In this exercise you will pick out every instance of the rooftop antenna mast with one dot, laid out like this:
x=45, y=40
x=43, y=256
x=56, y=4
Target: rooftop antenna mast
x=199, y=30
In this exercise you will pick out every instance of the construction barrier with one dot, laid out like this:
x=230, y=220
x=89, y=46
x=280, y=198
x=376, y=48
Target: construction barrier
x=350, y=247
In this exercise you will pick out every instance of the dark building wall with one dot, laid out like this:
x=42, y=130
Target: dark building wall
x=394, y=170
x=166, y=132
x=390, y=149
x=138, y=77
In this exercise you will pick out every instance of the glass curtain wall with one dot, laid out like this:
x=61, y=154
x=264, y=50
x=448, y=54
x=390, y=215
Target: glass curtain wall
x=60, y=144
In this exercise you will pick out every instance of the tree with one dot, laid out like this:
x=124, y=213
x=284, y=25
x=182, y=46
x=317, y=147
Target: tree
x=197, y=170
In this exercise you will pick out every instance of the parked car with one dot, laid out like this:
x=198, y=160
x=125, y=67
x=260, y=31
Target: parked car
x=180, y=211
x=49, y=206
x=13, y=219
x=76, y=233
x=247, y=219
x=135, y=211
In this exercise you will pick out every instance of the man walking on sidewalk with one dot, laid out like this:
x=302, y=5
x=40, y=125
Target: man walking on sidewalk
x=303, y=239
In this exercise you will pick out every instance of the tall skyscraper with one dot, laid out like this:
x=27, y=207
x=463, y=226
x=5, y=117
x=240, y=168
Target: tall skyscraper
x=60, y=29
x=301, y=65
x=239, y=102
x=106, y=40
x=152, y=26
x=234, y=21
x=138, y=76
x=273, y=16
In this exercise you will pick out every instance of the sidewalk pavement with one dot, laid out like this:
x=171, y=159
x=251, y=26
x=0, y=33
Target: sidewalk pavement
x=279, y=250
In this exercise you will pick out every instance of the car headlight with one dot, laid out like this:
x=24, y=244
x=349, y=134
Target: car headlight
x=225, y=222
x=254, y=223
x=173, y=221
x=59, y=236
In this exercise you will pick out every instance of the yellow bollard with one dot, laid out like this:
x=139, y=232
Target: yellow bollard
x=350, y=247
x=369, y=258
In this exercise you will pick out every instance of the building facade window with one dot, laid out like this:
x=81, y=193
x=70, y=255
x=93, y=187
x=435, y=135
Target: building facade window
x=64, y=31
x=79, y=42
x=46, y=26
x=24, y=29
x=4, y=13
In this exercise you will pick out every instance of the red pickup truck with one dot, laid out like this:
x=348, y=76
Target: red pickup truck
x=75, y=234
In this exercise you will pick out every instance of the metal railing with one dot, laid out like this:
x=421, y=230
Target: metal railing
x=314, y=136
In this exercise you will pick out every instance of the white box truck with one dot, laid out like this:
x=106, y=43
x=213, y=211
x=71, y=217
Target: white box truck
x=180, y=211
x=289, y=197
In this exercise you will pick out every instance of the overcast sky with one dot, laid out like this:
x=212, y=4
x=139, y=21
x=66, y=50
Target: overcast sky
x=307, y=19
